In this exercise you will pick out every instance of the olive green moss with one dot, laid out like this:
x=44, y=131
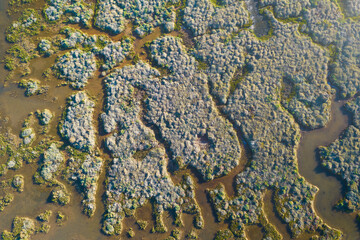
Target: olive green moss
x=45, y=216
x=43, y=228
x=18, y=183
x=6, y=200
x=10, y=63
x=224, y=234
x=179, y=14
x=6, y=235
x=130, y=233
x=22, y=228
x=175, y=233
x=268, y=229
x=17, y=55
x=129, y=212
x=60, y=195
x=159, y=226
x=142, y=224
x=19, y=52
x=202, y=65
x=218, y=3
x=239, y=75
x=18, y=30
x=16, y=5
x=60, y=218
x=177, y=218
x=192, y=235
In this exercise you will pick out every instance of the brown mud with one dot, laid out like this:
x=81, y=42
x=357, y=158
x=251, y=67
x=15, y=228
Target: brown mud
x=33, y=201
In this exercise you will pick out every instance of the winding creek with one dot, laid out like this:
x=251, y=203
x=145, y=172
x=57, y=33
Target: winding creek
x=330, y=188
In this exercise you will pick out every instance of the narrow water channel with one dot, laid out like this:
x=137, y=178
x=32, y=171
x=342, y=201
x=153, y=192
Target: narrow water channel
x=259, y=24
x=330, y=188
x=80, y=227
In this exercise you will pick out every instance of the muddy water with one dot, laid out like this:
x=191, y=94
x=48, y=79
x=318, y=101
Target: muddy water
x=16, y=106
x=270, y=213
x=330, y=188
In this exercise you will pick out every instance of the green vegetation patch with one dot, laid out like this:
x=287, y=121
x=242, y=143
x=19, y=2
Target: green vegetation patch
x=28, y=24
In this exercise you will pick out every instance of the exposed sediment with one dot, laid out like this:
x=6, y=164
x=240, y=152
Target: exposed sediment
x=178, y=110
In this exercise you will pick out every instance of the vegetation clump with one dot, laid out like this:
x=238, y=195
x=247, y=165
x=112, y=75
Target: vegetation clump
x=44, y=116
x=76, y=12
x=112, y=16
x=130, y=233
x=76, y=67
x=224, y=234
x=201, y=16
x=28, y=135
x=133, y=182
x=45, y=47
x=45, y=216
x=43, y=228
x=22, y=228
x=28, y=24
x=32, y=87
x=60, y=218
x=142, y=224
x=16, y=5
x=201, y=119
x=190, y=109
x=77, y=127
x=324, y=22
x=18, y=183
x=269, y=123
x=115, y=53
x=191, y=235
x=86, y=178
x=59, y=195
x=175, y=234
x=19, y=56
x=111, y=53
x=6, y=200
x=52, y=160
x=352, y=8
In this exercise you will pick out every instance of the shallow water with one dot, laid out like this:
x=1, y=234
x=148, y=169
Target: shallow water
x=33, y=200
x=270, y=213
x=330, y=188
x=260, y=25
